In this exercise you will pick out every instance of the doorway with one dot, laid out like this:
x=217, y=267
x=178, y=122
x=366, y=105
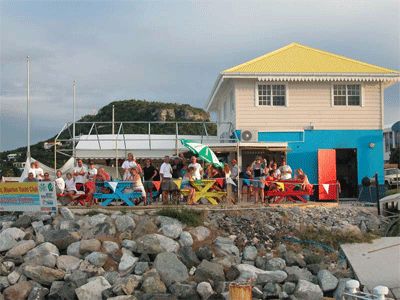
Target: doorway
x=346, y=172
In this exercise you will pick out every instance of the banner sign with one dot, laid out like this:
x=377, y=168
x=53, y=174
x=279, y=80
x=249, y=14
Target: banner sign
x=28, y=196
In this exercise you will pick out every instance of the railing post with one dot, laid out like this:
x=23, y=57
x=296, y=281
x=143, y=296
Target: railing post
x=352, y=286
x=380, y=291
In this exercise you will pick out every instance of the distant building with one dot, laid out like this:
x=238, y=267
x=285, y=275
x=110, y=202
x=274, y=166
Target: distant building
x=12, y=157
x=326, y=111
x=391, y=139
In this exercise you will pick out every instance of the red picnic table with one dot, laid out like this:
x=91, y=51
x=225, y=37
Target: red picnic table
x=288, y=190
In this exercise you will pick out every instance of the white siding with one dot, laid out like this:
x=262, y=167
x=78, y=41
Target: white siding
x=228, y=120
x=307, y=102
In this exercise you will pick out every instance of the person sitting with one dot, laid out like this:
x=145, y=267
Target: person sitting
x=91, y=175
x=106, y=175
x=185, y=185
x=46, y=177
x=70, y=187
x=137, y=185
x=30, y=178
x=39, y=172
x=286, y=171
x=59, y=183
x=80, y=172
x=305, y=184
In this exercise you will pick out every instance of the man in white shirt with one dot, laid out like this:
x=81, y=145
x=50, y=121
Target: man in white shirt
x=286, y=171
x=167, y=184
x=32, y=170
x=39, y=172
x=277, y=172
x=198, y=170
x=128, y=165
x=60, y=183
x=91, y=173
x=80, y=173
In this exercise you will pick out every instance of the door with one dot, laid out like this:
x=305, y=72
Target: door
x=327, y=189
x=346, y=172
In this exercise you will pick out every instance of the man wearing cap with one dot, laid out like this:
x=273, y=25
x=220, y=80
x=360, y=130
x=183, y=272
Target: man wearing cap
x=167, y=184
x=235, y=176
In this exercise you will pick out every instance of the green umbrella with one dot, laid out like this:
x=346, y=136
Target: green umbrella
x=202, y=151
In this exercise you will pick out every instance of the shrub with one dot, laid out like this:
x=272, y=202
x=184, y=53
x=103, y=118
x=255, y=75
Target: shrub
x=189, y=217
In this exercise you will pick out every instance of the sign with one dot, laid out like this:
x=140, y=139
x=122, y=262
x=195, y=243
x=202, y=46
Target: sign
x=28, y=196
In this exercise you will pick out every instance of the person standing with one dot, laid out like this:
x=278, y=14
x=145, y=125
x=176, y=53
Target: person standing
x=166, y=179
x=39, y=172
x=234, y=176
x=128, y=164
x=32, y=170
x=286, y=171
x=59, y=183
x=91, y=173
x=80, y=172
x=177, y=168
x=258, y=172
x=198, y=170
x=149, y=172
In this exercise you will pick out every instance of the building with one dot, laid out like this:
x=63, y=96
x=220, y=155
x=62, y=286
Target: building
x=391, y=139
x=325, y=110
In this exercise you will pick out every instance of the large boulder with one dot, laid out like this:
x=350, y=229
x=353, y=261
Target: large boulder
x=21, y=248
x=74, y=250
x=155, y=244
x=43, y=275
x=204, y=252
x=300, y=273
x=67, y=214
x=127, y=264
x=145, y=226
x=188, y=257
x=205, y=290
x=68, y=262
x=96, y=226
x=60, y=238
x=6, y=242
x=200, y=233
x=62, y=290
x=208, y=270
x=225, y=246
x=170, y=268
x=97, y=258
x=93, y=289
x=124, y=223
x=308, y=291
x=23, y=221
x=164, y=221
x=184, y=291
x=250, y=253
x=16, y=233
x=292, y=259
x=186, y=239
x=38, y=254
x=327, y=281
x=260, y=275
x=18, y=291
x=91, y=245
x=172, y=231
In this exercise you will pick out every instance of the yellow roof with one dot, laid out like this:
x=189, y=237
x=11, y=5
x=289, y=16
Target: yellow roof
x=296, y=58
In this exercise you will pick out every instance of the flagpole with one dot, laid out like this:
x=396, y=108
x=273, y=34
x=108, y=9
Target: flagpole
x=28, y=152
x=73, y=124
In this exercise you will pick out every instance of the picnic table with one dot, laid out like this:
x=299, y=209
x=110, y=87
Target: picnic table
x=288, y=191
x=117, y=194
x=202, y=191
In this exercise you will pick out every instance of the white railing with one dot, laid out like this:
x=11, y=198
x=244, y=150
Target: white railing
x=352, y=292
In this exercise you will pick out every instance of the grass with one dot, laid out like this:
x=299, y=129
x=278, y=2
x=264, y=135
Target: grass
x=189, y=217
x=333, y=239
x=392, y=192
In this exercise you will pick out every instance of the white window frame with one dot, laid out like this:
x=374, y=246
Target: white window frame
x=271, y=83
x=346, y=83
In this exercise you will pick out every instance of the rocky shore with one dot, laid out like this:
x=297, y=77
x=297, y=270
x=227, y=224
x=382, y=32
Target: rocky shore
x=124, y=256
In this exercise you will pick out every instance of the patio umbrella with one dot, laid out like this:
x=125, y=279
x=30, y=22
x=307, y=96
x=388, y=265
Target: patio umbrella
x=202, y=151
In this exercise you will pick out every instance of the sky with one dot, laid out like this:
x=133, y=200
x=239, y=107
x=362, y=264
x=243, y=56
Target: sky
x=169, y=51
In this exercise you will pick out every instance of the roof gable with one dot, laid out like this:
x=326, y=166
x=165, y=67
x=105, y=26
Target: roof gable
x=296, y=58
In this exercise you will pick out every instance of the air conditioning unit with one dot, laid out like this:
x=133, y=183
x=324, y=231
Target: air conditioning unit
x=249, y=136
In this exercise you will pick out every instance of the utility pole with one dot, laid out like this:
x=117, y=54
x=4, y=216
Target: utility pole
x=28, y=152
x=73, y=125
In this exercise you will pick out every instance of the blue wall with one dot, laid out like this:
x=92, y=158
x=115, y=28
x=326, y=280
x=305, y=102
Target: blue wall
x=305, y=154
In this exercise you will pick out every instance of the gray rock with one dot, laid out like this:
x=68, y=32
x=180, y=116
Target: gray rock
x=231, y=273
x=227, y=261
x=200, y=233
x=38, y=293
x=207, y=270
x=60, y=238
x=223, y=240
x=73, y=250
x=226, y=249
x=340, y=289
x=110, y=247
x=23, y=221
x=172, y=231
x=260, y=275
x=43, y=275
x=204, y=289
x=124, y=223
x=126, y=285
x=129, y=244
x=141, y=267
x=4, y=282
x=93, y=289
x=14, y=276
x=21, y=248
x=170, y=268
x=16, y=233
x=308, y=291
x=164, y=221
x=289, y=287
x=18, y=291
x=123, y=297
x=188, y=257
x=97, y=226
x=153, y=285
x=327, y=281
x=68, y=262
x=127, y=264
x=112, y=277
x=341, y=264
x=145, y=226
x=314, y=268
x=282, y=248
x=186, y=239
x=302, y=274
x=38, y=254
x=62, y=290
x=49, y=260
x=97, y=259
x=271, y=290
x=296, y=209
x=6, y=242
x=78, y=278
x=155, y=244
x=184, y=291
x=91, y=270
x=292, y=259
x=204, y=252
x=67, y=214
x=256, y=293
x=91, y=245
x=250, y=253
x=275, y=264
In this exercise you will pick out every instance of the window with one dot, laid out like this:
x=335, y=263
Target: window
x=346, y=94
x=232, y=100
x=271, y=95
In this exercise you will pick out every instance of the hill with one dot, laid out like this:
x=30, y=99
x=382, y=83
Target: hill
x=125, y=111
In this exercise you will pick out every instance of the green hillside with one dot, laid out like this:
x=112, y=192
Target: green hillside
x=125, y=111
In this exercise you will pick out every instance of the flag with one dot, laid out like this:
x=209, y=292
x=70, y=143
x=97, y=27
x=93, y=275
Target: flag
x=246, y=181
x=326, y=187
x=282, y=185
x=178, y=183
x=231, y=181
x=113, y=185
x=157, y=184
x=220, y=181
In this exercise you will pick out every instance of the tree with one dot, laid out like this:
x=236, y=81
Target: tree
x=395, y=155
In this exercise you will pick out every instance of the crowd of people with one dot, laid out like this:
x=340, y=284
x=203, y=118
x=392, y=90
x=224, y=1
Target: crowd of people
x=260, y=176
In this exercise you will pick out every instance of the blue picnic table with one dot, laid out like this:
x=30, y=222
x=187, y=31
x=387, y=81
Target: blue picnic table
x=117, y=194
